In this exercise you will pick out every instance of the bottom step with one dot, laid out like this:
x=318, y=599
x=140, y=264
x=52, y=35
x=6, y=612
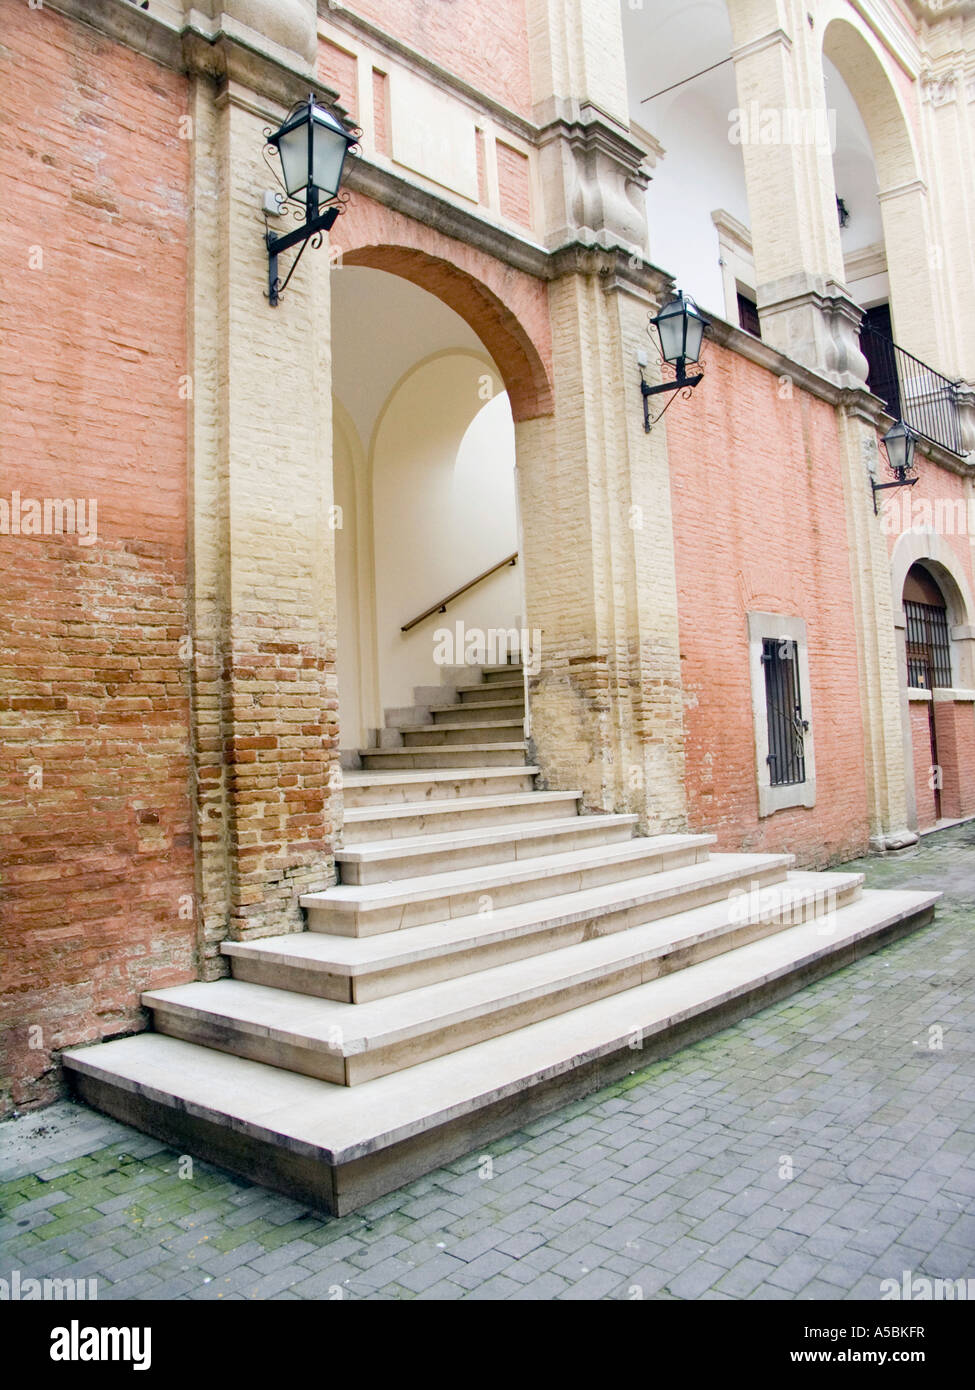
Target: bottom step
x=339, y=1147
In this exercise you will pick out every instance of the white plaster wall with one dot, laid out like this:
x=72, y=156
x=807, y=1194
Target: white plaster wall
x=444, y=510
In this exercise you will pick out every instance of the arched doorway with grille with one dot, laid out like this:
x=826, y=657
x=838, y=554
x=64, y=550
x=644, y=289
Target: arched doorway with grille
x=936, y=643
x=928, y=669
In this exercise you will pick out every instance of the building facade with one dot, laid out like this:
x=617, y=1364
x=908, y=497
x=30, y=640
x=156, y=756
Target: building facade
x=219, y=518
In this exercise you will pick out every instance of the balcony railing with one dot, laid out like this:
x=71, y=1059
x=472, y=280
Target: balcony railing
x=911, y=390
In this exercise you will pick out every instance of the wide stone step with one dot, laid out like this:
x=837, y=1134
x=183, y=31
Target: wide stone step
x=384, y=861
x=358, y=969
x=350, y=1043
x=469, y=714
x=341, y=1147
x=386, y=788
x=361, y=910
x=456, y=755
x=511, y=670
x=404, y=819
x=479, y=692
x=438, y=735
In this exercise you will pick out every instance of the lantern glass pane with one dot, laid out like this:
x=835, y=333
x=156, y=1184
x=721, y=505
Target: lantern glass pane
x=670, y=326
x=331, y=145
x=900, y=446
x=695, y=335
x=293, y=147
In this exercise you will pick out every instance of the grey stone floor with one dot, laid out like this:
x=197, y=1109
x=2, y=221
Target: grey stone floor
x=809, y=1152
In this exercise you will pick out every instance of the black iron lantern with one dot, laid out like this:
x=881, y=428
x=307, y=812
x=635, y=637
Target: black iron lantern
x=311, y=145
x=680, y=327
x=900, y=443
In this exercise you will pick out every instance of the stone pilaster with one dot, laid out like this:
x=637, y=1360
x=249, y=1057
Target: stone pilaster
x=262, y=555
x=606, y=705
x=877, y=638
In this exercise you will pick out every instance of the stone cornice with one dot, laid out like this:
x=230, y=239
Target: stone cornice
x=618, y=266
x=394, y=191
x=771, y=40
x=585, y=128
x=934, y=11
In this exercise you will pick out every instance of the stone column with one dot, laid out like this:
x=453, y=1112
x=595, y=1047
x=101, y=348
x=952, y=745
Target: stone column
x=606, y=704
x=262, y=561
x=783, y=127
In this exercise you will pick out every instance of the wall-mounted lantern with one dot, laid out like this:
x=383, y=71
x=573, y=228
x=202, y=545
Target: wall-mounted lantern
x=311, y=147
x=680, y=327
x=900, y=443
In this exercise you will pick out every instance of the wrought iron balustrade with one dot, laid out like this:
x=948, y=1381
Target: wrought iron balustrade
x=911, y=390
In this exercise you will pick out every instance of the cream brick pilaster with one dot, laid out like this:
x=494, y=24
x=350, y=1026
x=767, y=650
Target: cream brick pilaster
x=877, y=645
x=606, y=705
x=261, y=550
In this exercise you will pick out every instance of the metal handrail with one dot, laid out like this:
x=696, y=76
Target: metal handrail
x=912, y=391
x=441, y=607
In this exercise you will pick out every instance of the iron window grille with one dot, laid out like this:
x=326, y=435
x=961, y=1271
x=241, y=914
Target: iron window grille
x=928, y=646
x=786, y=726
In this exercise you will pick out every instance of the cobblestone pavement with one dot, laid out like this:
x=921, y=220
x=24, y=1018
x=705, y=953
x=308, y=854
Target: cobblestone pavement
x=811, y=1151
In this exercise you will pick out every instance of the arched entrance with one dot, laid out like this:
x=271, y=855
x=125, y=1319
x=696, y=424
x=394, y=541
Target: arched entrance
x=928, y=669
x=424, y=491
x=936, y=644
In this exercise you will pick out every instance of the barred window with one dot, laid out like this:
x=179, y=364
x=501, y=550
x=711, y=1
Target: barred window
x=786, y=726
x=928, y=645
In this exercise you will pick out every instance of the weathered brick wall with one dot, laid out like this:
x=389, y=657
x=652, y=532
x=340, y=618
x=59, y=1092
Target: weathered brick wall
x=97, y=859
x=759, y=525
x=921, y=750
x=954, y=722
x=487, y=45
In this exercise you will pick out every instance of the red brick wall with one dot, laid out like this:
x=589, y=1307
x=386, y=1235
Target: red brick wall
x=338, y=69
x=759, y=526
x=514, y=184
x=485, y=44
x=97, y=859
x=921, y=749
x=954, y=722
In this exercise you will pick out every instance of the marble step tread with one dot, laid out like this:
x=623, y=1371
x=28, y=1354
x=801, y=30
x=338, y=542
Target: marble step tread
x=352, y=1030
x=439, y=712
x=408, y=776
x=513, y=833
x=338, y=1125
x=437, y=749
x=490, y=876
x=470, y=727
x=501, y=682
x=407, y=810
x=348, y=955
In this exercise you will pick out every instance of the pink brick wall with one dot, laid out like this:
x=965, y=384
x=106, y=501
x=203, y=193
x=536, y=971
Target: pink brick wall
x=95, y=842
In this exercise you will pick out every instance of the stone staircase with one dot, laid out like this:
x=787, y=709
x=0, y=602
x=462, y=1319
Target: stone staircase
x=490, y=952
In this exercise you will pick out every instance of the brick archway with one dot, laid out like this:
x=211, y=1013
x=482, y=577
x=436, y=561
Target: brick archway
x=506, y=308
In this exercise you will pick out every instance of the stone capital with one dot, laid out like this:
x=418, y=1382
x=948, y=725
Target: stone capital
x=813, y=320
x=593, y=181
